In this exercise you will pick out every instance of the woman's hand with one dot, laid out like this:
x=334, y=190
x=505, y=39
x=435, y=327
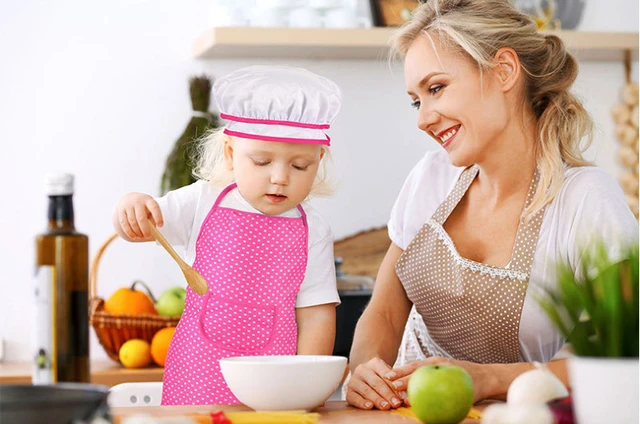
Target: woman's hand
x=483, y=375
x=131, y=215
x=378, y=336
x=370, y=387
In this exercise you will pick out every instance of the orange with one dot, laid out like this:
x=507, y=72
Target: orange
x=160, y=345
x=130, y=301
x=135, y=353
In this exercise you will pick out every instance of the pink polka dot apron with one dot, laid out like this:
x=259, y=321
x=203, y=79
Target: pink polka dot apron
x=254, y=265
x=471, y=311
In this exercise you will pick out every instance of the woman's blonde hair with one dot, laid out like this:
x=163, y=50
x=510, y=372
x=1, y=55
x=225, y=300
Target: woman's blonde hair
x=211, y=166
x=479, y=28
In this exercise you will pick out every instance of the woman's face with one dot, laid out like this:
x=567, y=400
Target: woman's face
x=463, y=112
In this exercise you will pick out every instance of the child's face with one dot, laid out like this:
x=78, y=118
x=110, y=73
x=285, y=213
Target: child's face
x=273, y=177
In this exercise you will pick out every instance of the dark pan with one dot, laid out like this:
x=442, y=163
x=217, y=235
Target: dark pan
x=62, y=403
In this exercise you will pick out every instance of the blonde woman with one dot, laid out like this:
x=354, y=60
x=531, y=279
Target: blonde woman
x=479, y=224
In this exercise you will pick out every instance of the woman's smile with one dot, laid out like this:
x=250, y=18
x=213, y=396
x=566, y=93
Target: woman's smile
x=447, y=136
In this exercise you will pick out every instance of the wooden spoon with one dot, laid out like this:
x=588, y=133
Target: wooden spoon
x=196, y=281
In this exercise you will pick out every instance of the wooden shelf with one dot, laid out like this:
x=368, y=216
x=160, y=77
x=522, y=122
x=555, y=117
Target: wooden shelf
x=369, y=43
x=231, y=42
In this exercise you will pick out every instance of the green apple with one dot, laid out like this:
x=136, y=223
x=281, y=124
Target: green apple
x=440, y=394
x=171, y=302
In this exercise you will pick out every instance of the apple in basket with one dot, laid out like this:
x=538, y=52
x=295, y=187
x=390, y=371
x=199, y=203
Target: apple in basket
x=171, y=302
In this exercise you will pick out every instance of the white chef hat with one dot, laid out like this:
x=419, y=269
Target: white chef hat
x=277, y=103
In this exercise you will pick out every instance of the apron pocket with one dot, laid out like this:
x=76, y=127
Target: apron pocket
x=237, y=327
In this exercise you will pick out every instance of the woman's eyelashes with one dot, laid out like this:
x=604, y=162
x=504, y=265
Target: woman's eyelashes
x=434, y=90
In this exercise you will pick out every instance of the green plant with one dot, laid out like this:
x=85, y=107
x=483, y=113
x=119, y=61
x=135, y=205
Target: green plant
x=179, y=165
x=598, y=311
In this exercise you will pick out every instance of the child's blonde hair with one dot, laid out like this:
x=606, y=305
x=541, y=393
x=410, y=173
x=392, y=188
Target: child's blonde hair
x=479, y=28
x=211, y=165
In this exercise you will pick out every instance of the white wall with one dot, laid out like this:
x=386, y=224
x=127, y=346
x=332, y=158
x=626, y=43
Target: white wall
x=100, y=89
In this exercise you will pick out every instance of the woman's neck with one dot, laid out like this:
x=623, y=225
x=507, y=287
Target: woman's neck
x=510, y=166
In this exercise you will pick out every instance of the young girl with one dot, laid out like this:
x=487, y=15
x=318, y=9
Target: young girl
x=267, y=257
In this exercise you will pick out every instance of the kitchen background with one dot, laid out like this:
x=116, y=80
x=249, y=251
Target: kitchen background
x=99, y=89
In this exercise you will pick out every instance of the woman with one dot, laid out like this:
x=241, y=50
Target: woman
x=479, y=225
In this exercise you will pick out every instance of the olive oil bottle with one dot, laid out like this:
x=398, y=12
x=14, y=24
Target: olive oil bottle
x=61, y=319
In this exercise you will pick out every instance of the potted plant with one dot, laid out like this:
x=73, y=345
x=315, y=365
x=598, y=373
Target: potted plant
x=598, y=314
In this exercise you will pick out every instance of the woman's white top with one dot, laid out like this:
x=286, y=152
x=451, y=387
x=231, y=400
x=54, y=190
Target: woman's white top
x=185, y=209
x=589, y=204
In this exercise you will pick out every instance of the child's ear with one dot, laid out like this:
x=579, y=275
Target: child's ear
x=322, y=150
x=228, y=152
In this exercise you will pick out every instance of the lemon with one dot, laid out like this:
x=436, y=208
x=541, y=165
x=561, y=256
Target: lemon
x=135, y=353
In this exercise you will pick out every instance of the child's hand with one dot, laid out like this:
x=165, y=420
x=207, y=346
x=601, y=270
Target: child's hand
x=131, y=215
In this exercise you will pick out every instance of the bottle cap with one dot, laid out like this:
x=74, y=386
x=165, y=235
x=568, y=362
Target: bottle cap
x=59, y=184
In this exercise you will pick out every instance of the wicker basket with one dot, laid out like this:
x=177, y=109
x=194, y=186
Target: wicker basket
x=115, y=329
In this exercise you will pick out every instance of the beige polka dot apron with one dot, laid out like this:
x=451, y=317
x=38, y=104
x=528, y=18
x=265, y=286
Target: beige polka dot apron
x=464, y=309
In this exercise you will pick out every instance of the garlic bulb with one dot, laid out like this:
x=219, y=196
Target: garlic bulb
x=527, y=399
x=627, y=134
x=535, y=387
x=501, y=413
x=621, y=113
x=627, y=156
x=629, y=183
x=625, y=115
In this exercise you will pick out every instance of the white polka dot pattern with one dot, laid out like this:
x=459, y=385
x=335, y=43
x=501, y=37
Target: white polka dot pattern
x=254, y=265
x=471, y=310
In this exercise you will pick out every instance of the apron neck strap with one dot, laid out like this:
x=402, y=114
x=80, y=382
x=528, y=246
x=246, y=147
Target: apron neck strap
x=223, y=193
x=303, y=215
x=453, y=198
x=233, y=185
x=525, y=244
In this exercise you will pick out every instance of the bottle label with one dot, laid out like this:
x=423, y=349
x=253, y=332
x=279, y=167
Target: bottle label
x=44, y=355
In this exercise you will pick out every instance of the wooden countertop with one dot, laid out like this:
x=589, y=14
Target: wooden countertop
x=334, y=412
x=106, y=372
x=110, y=373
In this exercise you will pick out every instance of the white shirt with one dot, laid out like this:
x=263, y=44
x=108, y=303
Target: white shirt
x=590, y=203
x=184, y=211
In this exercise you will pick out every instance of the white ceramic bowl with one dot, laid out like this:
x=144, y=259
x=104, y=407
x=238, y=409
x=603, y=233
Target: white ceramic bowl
x=278, y=383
